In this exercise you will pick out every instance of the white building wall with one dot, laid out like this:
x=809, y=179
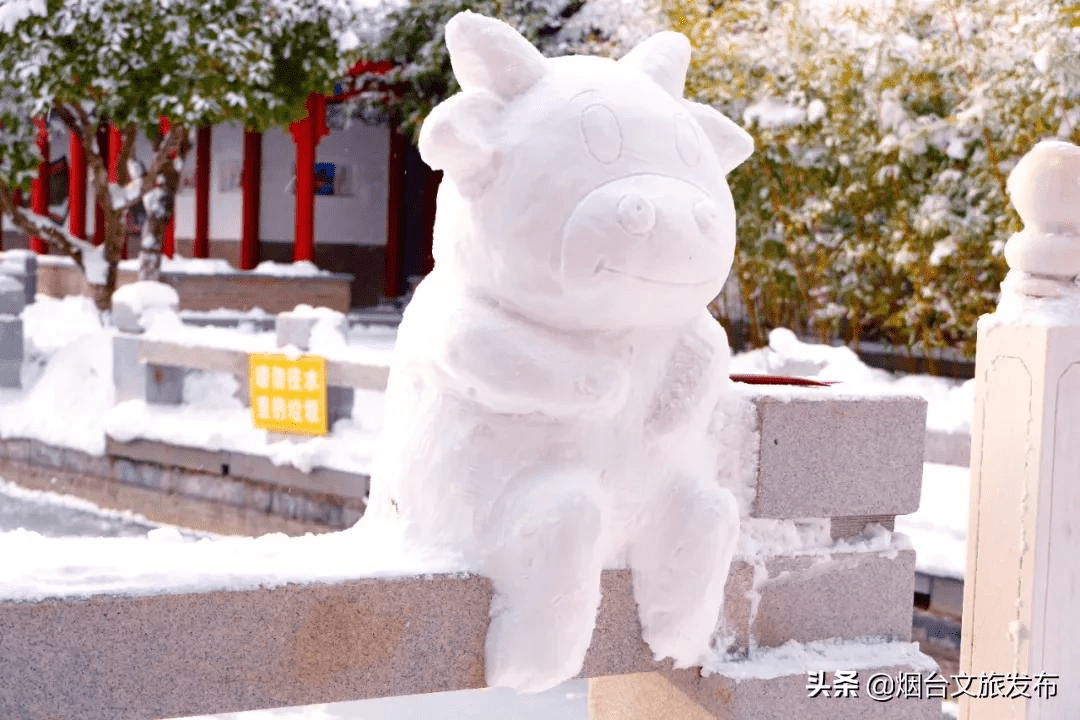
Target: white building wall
x=356, y=218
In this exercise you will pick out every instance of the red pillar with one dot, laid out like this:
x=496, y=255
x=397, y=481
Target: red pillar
x=252, y=175
x=431, y=195
x=116, y=140
x=76, y=186
x=168, y=241
x=201, y=246
x=394, y=180
x=39, y=192
x=306, y=134
x=99, y=215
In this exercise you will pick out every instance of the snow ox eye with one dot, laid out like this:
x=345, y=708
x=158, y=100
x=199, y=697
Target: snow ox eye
x=603, y=136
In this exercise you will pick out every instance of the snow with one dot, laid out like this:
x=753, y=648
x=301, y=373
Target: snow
x=146, y=294
x=950, y=402
x=74, y=365
x=772, y=113
x=12, y=12
x=214, y=419
x=54, y=515
x=1060, y=306
x=938, y=529
x=301, y=268
x=164, y=561
x=794, y=658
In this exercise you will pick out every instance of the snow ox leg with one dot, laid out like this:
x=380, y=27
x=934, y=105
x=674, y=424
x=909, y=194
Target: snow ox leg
x=680, y=568
x=545, y=561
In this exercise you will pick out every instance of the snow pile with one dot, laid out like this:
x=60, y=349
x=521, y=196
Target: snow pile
x=950, y=402
x=144, y=295
x=301, y=268
x=74, y=366
x=50, y=324
x=938, y=530
x=187, y=266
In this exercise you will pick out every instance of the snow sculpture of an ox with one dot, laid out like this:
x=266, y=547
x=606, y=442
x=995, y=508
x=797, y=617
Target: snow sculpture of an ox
x=555, y=375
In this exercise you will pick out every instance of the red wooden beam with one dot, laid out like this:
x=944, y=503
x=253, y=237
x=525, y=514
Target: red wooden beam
x=306, y=134
x=252, y=175
x=39, y=190
x=201, y=244
x=76, y=186
x=168, y=242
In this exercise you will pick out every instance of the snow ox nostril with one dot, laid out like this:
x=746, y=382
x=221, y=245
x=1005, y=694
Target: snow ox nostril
x=707, y=215
x=636, y=214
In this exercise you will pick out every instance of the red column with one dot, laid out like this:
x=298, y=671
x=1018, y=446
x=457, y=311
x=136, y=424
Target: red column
x=394, y=180
x=306, y=134
x=252, y=175
x=76, y=186
x=431, y=195
x=99, y=215
x=201, y=246
x=168, y=242
x=116, y=140
x=39, y=192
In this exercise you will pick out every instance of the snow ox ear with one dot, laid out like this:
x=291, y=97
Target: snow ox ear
x=456, y=138
x=493, y=63
x=489, y=55
x=663, y=57
x=732, y=144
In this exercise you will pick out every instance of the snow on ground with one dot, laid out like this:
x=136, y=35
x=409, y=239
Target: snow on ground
x=939, y=528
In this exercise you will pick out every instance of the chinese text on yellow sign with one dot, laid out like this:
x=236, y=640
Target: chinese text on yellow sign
x=288, y=395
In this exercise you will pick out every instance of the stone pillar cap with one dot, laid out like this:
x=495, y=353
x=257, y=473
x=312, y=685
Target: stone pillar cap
x=1045, y=190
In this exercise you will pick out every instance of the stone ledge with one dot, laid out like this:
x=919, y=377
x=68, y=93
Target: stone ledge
x=822, y=454
x=809, y=598
x=326, y=499
x=141, y=658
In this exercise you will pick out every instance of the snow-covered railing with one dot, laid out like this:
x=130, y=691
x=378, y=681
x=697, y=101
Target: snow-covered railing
x=153, y=368
x=817, y=566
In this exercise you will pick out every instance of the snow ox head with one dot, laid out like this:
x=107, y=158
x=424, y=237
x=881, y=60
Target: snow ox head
x=582, y=192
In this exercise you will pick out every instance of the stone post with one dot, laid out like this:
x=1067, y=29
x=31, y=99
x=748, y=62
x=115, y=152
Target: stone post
x=297, y=327
x=1022, y=584
x=132, y=378
x=12, y=301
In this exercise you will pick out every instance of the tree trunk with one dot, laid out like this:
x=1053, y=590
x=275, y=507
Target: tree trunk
x=102, y=294
x=153, y=229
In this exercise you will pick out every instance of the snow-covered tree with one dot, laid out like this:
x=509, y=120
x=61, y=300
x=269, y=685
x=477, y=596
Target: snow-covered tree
x=875, y=203
x=421, y=76
x=84, y=63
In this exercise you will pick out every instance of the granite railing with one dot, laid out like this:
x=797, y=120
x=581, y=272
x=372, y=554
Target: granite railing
x=839, y=468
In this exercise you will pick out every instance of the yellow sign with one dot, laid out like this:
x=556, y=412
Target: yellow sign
x=288, y=395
